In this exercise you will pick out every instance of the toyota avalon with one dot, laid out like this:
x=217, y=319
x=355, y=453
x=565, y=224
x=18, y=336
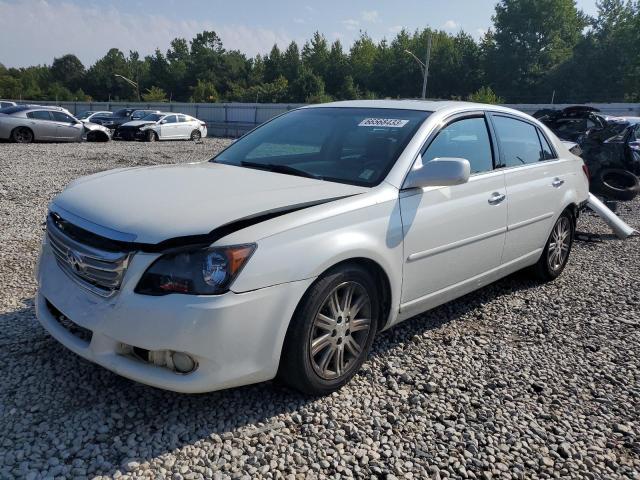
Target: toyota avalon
x=288, y=252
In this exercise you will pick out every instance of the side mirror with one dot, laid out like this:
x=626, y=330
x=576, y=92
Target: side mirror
x=439, y=172
x=162, y=122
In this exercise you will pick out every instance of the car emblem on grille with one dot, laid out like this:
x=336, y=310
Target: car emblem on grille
x=75, y=261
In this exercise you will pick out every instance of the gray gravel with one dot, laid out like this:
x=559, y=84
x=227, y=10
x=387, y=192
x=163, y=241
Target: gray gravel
x=518, y=380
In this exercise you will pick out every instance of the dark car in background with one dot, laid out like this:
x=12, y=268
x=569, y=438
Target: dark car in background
x=122, y=116
x=609, y=146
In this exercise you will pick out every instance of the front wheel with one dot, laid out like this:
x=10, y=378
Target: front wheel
x=152, y=136
x=556, y=252
x=331, y=332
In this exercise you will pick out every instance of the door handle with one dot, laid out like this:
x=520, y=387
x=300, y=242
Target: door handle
x=557, y=182
x=496, y=198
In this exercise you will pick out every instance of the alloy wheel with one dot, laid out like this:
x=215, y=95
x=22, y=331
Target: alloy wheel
x=340, y=330
x=559, y=245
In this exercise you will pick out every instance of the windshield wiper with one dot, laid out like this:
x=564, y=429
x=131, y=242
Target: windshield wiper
x=272, y=167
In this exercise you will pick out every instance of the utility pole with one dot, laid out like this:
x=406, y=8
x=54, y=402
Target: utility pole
x=424, y=66
x=426, y=69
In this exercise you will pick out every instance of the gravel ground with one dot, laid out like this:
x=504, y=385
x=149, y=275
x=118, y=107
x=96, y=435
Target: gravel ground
x=517, y=380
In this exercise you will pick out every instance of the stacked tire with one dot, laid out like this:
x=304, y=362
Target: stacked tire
x=616, y=184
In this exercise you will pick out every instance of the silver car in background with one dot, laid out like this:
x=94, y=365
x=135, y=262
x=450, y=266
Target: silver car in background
x=89, y=115
x=7, y=103
x=36, y=123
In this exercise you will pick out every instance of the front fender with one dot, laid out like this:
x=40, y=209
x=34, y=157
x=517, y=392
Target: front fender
x=373, y=233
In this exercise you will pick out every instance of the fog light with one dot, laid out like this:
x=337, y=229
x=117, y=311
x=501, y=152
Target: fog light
x=182, y=362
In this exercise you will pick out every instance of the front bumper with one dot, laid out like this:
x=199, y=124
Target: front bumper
x=236, y=338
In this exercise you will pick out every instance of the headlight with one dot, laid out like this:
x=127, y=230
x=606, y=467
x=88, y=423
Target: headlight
x=207, y=271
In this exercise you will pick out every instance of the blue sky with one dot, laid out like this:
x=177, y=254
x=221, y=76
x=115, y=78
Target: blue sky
x=36, y=31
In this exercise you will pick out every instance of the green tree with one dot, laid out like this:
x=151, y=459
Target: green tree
x=204, y=92
x=530, y=39
x=485, y=95
x=154, y=94
x=315, y=55
x=307, y=86
x=68, y=70
x=290, y=62
x=273, y=65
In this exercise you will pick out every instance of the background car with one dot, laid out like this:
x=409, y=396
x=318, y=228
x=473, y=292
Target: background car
x=34, y=123
x=609, y=146
x=6, y=104
x=122, y=116
x=163, y=126
x=89, y=115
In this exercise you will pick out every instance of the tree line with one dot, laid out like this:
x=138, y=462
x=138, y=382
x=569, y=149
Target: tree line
x=536, y=51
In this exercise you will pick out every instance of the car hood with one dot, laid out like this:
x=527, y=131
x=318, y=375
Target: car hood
x=94, y=126
x=153, y=204
x=137, y=123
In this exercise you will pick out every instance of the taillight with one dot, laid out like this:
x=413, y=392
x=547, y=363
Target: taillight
x=585, y=169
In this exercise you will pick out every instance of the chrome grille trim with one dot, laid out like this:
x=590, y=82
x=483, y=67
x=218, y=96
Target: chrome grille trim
x=99, y=271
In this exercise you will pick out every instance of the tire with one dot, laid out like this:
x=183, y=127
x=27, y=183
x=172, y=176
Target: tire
x=196, y=135
x=554, y=259
x=617, y=184
x=339, y=349
x=22, y=135
x=152, y=136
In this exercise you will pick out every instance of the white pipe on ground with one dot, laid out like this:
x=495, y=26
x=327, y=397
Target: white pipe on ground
x=620, y=228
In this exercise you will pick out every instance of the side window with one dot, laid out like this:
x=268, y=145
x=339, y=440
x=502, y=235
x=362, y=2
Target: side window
x=635, y=135
x=182, y=118
x=39, y=115
x=62, y=117
x=547, y=151
x=519, y=142
x=467, y=138
x=171, y=119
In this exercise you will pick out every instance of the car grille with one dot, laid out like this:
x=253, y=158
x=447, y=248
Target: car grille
x=99, y=271
x=126, y=133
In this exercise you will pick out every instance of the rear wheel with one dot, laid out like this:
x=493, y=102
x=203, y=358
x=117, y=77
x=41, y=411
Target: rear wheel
x=152, y=136
x=331, y=332
x=22, y=135
x=556, y=252
x=196, y=135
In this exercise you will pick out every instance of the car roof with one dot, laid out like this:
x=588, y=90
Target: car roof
x=420, y=105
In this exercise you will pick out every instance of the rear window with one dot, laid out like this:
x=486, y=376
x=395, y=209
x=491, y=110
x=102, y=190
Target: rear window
x=348, y=145
x=10, y=110
x=39, y=115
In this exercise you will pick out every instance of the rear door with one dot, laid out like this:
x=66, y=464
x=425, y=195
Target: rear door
x=452, y=234
x=536, y=181
x=185, y=127
x=67, y=129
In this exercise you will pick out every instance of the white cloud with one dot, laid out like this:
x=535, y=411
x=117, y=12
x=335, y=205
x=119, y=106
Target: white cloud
x=451, y=25
x=351, y=24
x=480, y=32
x=43, y=30
x=395, y=29
x=370, y=16
x=299, y=21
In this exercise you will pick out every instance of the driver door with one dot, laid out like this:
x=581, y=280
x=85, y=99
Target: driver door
x=453, y=235
x=169, y=129
x=67, y=128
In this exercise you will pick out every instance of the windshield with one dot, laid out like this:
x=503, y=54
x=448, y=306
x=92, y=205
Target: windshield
x=348, y=145
x=152, y=117
x=84, y=115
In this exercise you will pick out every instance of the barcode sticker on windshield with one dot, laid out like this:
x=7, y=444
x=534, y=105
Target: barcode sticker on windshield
x=383, y=122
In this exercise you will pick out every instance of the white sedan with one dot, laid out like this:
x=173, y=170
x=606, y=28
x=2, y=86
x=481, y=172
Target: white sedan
x=287, y=253
x=162, y=126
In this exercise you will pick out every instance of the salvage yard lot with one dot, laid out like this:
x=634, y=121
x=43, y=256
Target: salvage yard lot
x=517, y=380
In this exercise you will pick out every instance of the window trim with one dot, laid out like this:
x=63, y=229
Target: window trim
x=50, y=119
x=539, y=131
x=456, y=117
